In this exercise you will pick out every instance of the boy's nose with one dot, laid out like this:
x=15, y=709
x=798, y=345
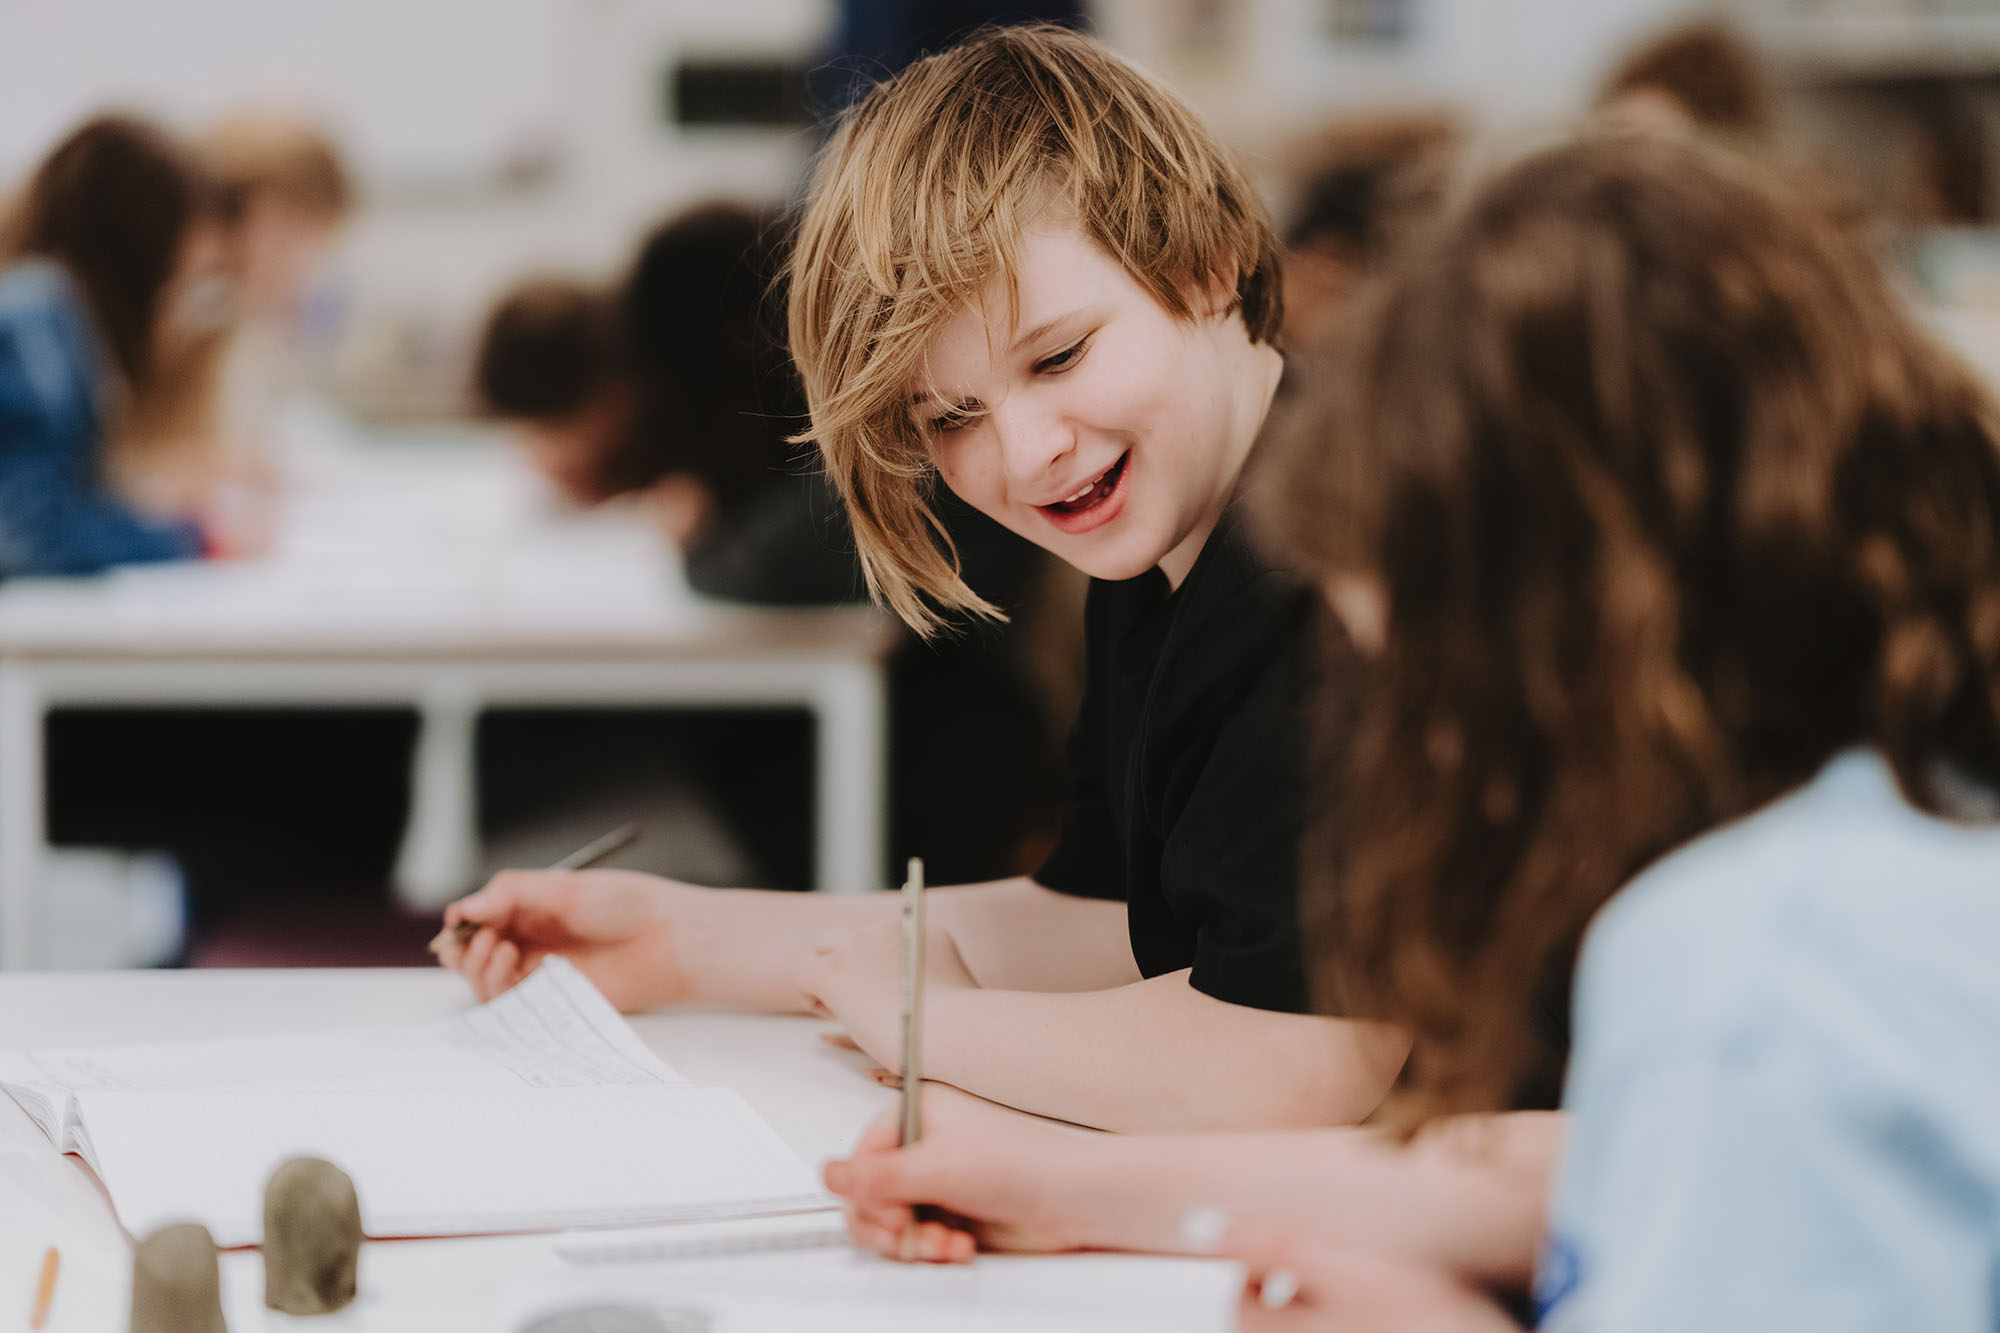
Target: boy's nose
x=1032, y=443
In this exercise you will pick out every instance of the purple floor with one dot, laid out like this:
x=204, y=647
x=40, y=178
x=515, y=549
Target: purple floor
x=362, y=928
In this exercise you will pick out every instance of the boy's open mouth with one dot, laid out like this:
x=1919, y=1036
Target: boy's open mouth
x=1094, y=494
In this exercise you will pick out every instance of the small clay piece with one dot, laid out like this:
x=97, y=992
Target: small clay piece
x=312, y=1237
x=176, y=1282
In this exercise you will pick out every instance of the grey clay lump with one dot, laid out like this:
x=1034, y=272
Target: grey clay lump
x=312, y=1237
x=176, y=1282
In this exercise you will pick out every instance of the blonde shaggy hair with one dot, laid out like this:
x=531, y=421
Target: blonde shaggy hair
x=921, y=199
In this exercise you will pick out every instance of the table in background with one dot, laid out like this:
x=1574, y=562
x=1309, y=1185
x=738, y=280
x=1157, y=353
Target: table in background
x=433, y=573
x=817, y=1098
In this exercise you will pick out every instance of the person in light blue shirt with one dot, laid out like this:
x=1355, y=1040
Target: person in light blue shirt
x=1678, y=549
x=111, y=235
x=1785, y=1102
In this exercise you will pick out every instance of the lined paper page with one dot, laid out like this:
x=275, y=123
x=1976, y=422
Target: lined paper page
x=429, y=1163
x=552, y=1030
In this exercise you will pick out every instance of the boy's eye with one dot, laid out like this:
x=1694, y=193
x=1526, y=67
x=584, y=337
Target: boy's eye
x=1064, y=359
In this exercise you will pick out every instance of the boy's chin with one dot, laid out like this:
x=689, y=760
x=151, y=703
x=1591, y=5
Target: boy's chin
x=1113, y=563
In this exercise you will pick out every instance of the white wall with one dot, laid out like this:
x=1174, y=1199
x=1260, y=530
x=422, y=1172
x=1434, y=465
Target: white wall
x=425, y=265
x=1509, y=63
x=441, y=101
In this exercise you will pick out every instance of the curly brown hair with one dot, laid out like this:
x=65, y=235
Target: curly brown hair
x=1668, y=501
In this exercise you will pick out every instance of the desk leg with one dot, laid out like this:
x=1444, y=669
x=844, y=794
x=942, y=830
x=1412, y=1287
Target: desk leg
x=851, y=818
x=440, y=850
x=23, y=830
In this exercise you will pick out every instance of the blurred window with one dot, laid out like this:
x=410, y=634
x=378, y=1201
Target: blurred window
x=1379, y=22
x=721, y=93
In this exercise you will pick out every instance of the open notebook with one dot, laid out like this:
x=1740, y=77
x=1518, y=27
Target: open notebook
x=538, y=1111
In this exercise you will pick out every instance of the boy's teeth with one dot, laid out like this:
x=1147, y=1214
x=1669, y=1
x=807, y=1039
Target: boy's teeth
x=1072, y=499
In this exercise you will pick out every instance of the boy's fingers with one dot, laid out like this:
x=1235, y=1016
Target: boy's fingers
x=477, y=955
x=444, y=946
x=501, y=967
x=504, y=896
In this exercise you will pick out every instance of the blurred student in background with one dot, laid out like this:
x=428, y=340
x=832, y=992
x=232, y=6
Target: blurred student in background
x=1366, y=183
x=204, y=427
x=114, y=258
x=1677, y=549
x=146, y=280
x=676, y=387
x=1702, y=76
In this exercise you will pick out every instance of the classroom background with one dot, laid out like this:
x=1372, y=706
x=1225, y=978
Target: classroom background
x=446, y=649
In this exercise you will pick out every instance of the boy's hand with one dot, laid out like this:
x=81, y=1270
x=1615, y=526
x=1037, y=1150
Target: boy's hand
x=855, y=977
x=998, y=1170
x=618, y=927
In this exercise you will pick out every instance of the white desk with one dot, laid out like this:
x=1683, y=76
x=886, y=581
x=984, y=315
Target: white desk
x=816, y=1097
x=433, y=575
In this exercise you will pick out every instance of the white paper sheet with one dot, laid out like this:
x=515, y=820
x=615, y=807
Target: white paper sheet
x=537, y=1111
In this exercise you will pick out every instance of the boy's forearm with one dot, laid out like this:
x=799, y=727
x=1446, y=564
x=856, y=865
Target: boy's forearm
x=745, y=948
x=1157, y=1056
x=1016, y=935
x=1468, y=1196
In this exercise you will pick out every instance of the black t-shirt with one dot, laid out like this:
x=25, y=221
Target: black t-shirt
x=1187, y=770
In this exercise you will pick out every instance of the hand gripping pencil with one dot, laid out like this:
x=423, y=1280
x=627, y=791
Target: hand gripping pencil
x=583, y=858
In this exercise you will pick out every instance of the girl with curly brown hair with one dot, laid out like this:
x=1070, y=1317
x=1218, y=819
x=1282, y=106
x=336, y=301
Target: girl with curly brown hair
x=1676, y=546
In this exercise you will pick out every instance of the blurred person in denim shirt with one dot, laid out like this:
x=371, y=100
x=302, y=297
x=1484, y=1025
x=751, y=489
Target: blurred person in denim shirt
x=112, y=259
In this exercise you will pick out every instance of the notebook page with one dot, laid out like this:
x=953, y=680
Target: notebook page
x=43, y=1100
x=552, y=1030
x=433, y=1163
x=844, y=1291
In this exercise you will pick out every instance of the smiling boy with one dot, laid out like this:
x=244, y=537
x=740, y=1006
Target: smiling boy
x=1028, y=272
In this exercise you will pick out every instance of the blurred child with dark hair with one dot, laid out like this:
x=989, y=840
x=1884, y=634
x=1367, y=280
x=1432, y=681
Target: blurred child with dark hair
x=112, y=258
x=549, y=364
x=1703, y=75
x=676, y=387
x=1363, y=185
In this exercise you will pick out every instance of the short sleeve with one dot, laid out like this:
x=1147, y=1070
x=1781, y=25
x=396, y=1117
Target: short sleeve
x=1231, y=866
x=1086, y=861
x=1756, y=1188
